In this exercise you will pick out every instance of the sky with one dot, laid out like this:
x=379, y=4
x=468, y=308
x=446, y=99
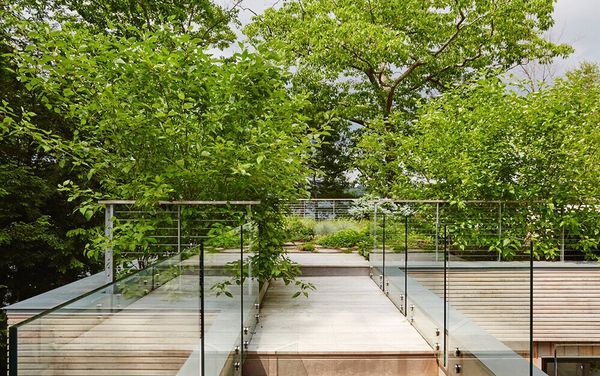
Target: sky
x=577, y=22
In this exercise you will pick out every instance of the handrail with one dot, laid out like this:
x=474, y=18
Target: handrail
x=82, y=296
x=192, y=203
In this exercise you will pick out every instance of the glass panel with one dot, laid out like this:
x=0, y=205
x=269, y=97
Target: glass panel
x=251, y=289
x=148, y=321
x=488, y=299
x=222, y=305
x=425, y=273
x=376, y=259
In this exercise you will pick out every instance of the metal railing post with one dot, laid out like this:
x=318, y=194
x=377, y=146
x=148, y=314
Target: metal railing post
x=179, y=230
x=405, y=264
x=383, y=253
x=445, y=295
x=201, y=283
x=562, y=234
x=531, y=309
x=242, y=347
x=374, y=228
x=13, y=354
x=500, y=229
x=437, y=230
x=109, y=261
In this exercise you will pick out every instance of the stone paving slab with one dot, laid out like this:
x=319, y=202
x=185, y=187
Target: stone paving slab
x=329, y=259
x=344, y=314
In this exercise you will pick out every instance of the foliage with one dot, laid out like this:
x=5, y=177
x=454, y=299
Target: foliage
x=345, y=238
x=364, y=248
x=484, y=141
x=368, y=205
x=332, y=160
x=174, y=122
x=307, y=247
x=202, y=19
x=332, y=226
x=221, y=236
x=383, y=56
x=299, y=229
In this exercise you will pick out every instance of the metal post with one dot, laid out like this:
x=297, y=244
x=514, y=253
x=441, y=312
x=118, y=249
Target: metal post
x=562, y=235
x=383, y=253
x=13, y=363
x=179, y=230
x=531, y=309
x=333, y=203
x=437, y=229
x=303, y=208
x=242, y=350
x=375, y=228
x=555, y=362
x=445, y=293
x=500, y=228
x=202, y=335
x=405, y=265
x=152, y=270
x=109, y=261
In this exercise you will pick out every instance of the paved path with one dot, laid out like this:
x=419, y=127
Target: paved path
x=329, y=259
x=344, y=314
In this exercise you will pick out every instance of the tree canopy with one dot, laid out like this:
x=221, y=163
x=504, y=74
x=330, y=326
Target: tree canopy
x=383, y=56
x=488, y=141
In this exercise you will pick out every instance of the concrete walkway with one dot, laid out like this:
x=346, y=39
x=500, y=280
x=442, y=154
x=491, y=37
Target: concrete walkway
x=346, y=327
x=344, y=314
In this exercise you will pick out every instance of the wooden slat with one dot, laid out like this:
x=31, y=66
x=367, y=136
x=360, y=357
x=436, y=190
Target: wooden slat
x=566, y=302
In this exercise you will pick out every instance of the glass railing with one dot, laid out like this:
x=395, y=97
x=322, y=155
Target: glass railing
x=465, y=278
x=190, y=314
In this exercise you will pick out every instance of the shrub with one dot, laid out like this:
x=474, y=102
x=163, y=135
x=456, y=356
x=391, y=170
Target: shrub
x=307, y=247
x=229, y=239
x=364, y=248
x=299, y=229
x=345, y=238
x=333, y=226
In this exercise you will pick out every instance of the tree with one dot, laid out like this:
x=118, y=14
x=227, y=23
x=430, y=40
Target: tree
x=386, y=55
x=156, y=118
x=203, y=19
x=485, y=141
x=331, y=159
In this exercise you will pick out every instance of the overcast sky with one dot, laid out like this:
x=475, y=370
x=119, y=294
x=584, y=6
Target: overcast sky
x=577, y=23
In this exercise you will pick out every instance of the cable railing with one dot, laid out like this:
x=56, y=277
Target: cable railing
x=190, y=314
x=321, y=209
x=473, y=286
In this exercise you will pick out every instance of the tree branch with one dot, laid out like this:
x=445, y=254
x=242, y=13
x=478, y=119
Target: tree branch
x=454, y=35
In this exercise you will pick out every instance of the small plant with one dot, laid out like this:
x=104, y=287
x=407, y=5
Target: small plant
x=364, y=248
x=299, y=229
x=308, y=247
x=346, y=238
x=304, y=288
x=221, y=236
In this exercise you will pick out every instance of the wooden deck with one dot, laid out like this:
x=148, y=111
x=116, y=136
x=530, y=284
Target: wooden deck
x=566, y=301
